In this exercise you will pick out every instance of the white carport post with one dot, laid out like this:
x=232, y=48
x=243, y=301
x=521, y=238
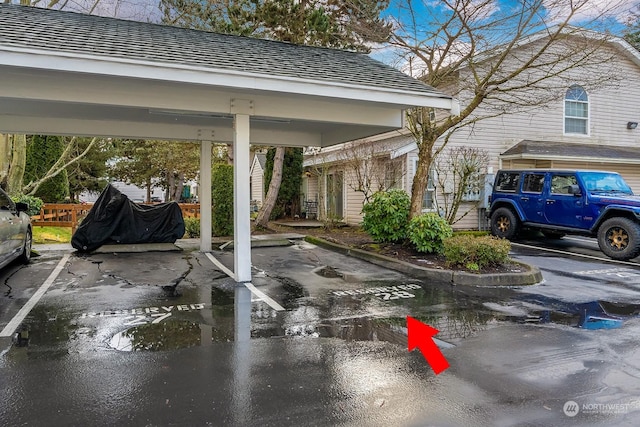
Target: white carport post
x=242, y=220
x=205, y=196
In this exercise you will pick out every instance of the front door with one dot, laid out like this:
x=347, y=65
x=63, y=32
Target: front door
x=335, y=206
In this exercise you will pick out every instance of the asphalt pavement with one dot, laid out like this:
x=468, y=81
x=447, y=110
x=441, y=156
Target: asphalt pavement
x=317, y=338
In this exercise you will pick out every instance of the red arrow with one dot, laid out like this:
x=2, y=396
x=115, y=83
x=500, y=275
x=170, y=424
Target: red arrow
x=421, y=335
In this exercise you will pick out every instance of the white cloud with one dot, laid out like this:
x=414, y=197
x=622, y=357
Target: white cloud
x=619, y=10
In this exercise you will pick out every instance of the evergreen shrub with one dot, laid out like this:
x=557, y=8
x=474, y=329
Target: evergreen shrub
x=476, y=253
x=192, y=227
x=386, y=216
x=222, y=199
x=428, y=231
x=35, y=203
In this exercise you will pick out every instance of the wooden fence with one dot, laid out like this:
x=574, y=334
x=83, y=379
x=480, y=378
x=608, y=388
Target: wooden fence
x=70, y=215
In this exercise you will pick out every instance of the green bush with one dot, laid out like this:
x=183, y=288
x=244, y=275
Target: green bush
x=476, y=253
x=43, y=151
x=35, y=203
x=386, y=216
x=428, y=231
x=222, y=199
x=192, y=227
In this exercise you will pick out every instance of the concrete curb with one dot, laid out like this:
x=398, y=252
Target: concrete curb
x=530, y=277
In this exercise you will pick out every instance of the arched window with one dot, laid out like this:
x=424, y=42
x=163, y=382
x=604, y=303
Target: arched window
x=576, y=111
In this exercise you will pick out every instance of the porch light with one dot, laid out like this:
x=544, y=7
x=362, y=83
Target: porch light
x=632, y=125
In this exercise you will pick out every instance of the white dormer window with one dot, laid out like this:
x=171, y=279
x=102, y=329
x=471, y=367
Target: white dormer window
x=576, y=111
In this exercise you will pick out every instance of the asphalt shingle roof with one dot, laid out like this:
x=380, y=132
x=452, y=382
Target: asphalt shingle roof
x=563, y=149
x=59, y=31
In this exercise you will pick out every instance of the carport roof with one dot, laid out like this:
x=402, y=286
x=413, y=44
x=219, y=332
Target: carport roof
x=553, y=150
x=66, y=73
x=80, y=34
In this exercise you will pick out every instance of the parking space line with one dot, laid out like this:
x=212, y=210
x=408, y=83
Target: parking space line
x=11, y=327
x=218, y=264
x=540, y=248
x=258, y=293
x=264, y=297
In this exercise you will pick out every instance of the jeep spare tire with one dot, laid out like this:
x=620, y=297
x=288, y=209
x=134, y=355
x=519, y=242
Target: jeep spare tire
x=504, y=223
x=619, y=238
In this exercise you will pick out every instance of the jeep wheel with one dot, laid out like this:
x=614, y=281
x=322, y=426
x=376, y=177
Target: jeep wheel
x=504, y=223
x=619, y=238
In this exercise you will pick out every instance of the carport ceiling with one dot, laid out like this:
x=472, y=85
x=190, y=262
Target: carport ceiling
x=66, y=73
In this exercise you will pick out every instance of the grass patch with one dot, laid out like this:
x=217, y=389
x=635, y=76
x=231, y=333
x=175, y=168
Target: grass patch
x=51, y=234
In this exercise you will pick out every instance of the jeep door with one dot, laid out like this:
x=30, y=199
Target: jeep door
x=531, y=199
x=563, y=207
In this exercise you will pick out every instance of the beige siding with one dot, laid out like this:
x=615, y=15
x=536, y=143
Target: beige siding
x=611, y=106
x=257, y=184
x=353, y=200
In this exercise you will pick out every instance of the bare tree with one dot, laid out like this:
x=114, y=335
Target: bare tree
x=13, y=159
x=494, y=61
x=370, y=167
x=13, y=146
x=262, y=220
x=458, y=179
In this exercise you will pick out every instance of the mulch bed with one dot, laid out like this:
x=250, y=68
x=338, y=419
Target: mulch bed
x=356, y=238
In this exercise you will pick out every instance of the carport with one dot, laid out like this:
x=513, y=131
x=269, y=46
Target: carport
x=64, y=73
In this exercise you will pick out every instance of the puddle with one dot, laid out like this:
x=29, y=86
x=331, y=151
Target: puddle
x=158, y=337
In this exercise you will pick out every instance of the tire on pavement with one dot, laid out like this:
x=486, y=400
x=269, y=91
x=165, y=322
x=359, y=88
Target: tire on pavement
x=504, y=223
x=25, y=256
x=619, y=238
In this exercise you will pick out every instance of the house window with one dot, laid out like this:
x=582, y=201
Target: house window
x=576, y=111
x=429, y=199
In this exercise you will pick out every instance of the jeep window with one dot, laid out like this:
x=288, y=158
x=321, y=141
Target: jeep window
x=533, y=183
x=605, y=182
x=576, y=111
x=561, y=184
x=507, y=181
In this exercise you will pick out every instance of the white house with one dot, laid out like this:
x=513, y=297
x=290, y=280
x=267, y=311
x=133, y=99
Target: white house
x=585, y=126
x=257, y=179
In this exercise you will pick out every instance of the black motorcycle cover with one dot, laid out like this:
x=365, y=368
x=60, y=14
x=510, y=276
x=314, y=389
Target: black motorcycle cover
x=115, y=219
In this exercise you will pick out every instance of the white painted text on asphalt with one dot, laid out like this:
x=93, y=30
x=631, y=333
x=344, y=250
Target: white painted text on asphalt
x=385, y=293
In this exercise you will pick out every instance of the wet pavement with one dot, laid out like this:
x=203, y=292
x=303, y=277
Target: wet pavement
x=165, y=338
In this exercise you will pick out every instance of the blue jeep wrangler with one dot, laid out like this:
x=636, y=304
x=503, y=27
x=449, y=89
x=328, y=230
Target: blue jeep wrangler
x=558, y=202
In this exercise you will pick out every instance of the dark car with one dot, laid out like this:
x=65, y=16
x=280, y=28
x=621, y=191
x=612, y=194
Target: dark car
x=558, y=202
x=15, y=231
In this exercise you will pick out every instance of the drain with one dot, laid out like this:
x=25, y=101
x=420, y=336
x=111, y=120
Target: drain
x=329, y=272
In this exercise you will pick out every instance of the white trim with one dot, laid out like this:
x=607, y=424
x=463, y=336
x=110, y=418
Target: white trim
x=564, y=113
x=570, y=159
x=241, y=199
x=124, y=67
x=204, y=195
x=404, y=150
